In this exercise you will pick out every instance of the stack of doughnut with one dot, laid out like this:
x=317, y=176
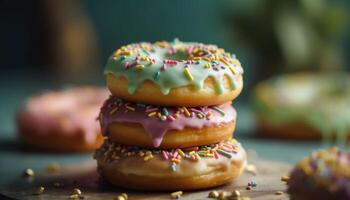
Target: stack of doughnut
x=62, y=121
x=169, y=121
x=325, y=174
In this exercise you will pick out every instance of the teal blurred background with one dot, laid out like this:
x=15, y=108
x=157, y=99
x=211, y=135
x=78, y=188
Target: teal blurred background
x=69, y=41
x=52, y=44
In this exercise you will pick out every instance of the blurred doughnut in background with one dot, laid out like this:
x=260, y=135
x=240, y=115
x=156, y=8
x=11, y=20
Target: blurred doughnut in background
x=62, y=121
x=304, y=106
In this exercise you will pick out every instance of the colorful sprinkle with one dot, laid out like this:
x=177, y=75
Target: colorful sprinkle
x=208, y=116
x=76, y=191
x=251, y=185
x=279, y=192
x=39, y=190
x=285, y=178
x=173, y=167
x=213, y=194
x=165, y=111
x=163, y=117
x=156, y=76
x=120, y=197
x=197, y=157
x=165, y=155
x=171, y=118
x=188, y=74
x=115, y=105
x=175, y=160
x=152, y=114
x=144, y=51
x=124, y=195
x=28, y=173
x=222, y=59
x=216, y=155
x=175, y=154
x=112, y=151
x=113, y=110
x=170, y=62
x=149, y=157
x=222, y=195
x=218, y=110
x=224, y=153
x=182, y=154
x=187, y=113
x=176, y=195
x=130, y=108
x=236, y=193
x=232, y=69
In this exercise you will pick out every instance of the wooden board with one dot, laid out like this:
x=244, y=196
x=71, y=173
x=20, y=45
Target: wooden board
x=85, y=177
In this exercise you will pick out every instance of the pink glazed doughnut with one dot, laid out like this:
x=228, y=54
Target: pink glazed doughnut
x=166, y=127
x=62, y=121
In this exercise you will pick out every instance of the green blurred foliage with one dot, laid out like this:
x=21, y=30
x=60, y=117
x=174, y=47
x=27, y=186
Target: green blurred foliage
x=292, y=35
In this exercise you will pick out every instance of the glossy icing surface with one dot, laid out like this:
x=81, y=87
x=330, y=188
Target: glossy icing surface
x=157, y=120
x=174, y=64
x=325, y=170
x=321, y=100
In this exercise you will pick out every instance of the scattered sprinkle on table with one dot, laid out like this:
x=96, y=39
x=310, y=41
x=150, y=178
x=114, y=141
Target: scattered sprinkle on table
x=28, y=173
x=176, y=195
x=252, y=184
x=235, y=193
x=77, y=191
x=285, y=178
x=222, y=195
x=39, y=190
x=279, y=192
x=213, y=194
x=124, y=195
x=76, y=194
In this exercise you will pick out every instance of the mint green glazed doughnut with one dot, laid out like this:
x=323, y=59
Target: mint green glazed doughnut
x=174, y=74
